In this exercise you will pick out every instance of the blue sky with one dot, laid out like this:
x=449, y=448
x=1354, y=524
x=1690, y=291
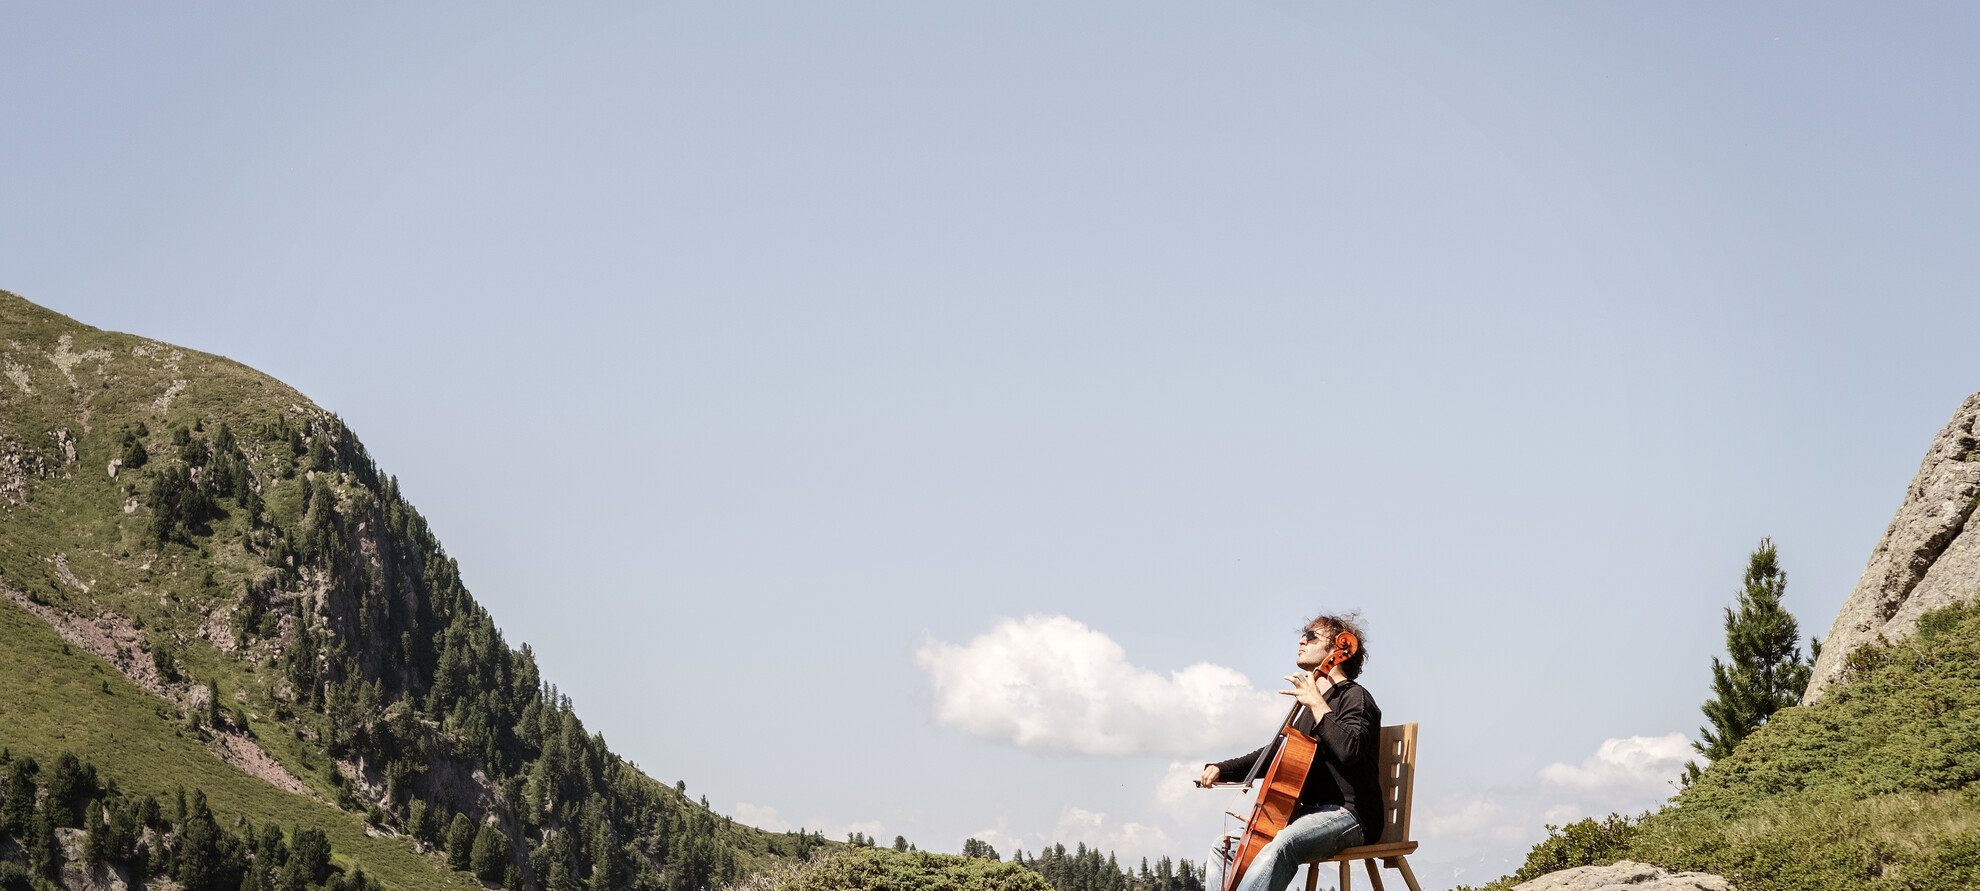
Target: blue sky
x=764, y=365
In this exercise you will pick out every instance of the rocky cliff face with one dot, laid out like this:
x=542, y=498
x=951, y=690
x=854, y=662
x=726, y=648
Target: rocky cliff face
x=1928, y=558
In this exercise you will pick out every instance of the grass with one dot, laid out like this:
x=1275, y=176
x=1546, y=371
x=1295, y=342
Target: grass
x=1899, y=840
x=79, y=512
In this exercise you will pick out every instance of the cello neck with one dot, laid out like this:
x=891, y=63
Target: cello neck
x=1293, y=714
x=1265, y=754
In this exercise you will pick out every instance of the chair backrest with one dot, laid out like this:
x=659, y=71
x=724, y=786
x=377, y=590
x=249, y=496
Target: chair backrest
x=1398, y=765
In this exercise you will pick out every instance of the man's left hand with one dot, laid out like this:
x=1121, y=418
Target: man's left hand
x=1309, y=692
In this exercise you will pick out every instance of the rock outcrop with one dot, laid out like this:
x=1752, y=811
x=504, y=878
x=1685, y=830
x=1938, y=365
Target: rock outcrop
x=1928, y=558
x=1625, y=875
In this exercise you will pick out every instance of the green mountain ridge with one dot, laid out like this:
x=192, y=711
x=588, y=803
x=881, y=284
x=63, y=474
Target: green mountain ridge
x=201, y=568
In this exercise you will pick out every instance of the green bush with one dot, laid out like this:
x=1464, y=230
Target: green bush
x=134, y=455
x=1579, y=844
x=880, y=869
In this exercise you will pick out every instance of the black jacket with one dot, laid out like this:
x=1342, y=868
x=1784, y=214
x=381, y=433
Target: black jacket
x=1347, y=766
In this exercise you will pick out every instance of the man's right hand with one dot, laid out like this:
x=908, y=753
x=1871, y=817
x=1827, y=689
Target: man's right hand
x=1210, y=776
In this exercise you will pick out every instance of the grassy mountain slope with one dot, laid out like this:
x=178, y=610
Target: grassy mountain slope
x=61, y=698
x=227, y=558
x=1871, y=787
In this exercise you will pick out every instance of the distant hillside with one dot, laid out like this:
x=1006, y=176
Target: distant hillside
x=1871, y=783
x=206, y=584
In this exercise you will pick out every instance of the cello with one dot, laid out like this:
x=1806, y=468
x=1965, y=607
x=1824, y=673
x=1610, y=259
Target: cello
x=1283, y=780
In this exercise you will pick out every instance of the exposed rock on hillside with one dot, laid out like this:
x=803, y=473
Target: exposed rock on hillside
x=1928, y=558
x=1624, y=876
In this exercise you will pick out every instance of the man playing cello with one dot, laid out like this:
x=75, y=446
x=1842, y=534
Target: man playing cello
x=1340, y=805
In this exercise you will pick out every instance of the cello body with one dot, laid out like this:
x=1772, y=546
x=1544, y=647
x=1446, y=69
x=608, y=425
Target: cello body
x=1276, y=798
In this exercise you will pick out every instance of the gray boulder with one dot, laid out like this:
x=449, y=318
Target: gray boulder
x=1624, y=875
x=1928, y=558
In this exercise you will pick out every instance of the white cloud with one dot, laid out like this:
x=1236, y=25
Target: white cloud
x=1079, y=822
x=1462, y=817
x=1475, y=838
x=1201, y=815
x=1178, y=785
x=1128, y=841
x=762, y=817
x=1478, y=836
x=1051, y=683
x=1562, y=814
x=1639, y=763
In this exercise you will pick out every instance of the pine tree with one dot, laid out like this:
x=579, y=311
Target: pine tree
x=17, y=809
x=309, y=857
x=201, y=860
x=160, y=860
x=1764, y=672
x=489, y=854
x=96, y=837
x=44, y=853
x=460, y=843
x=68, y=781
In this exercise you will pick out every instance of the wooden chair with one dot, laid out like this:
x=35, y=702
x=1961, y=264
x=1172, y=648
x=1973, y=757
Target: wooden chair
x=1398, y=766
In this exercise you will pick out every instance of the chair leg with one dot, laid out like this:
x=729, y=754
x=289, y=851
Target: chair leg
x=1345, y=875
x=1402, y=866
x=1374, y=874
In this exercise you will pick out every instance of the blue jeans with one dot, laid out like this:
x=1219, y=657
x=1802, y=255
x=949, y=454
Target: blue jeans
x=1323, y=833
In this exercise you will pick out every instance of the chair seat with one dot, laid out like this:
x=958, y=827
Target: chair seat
x=1371, y=852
